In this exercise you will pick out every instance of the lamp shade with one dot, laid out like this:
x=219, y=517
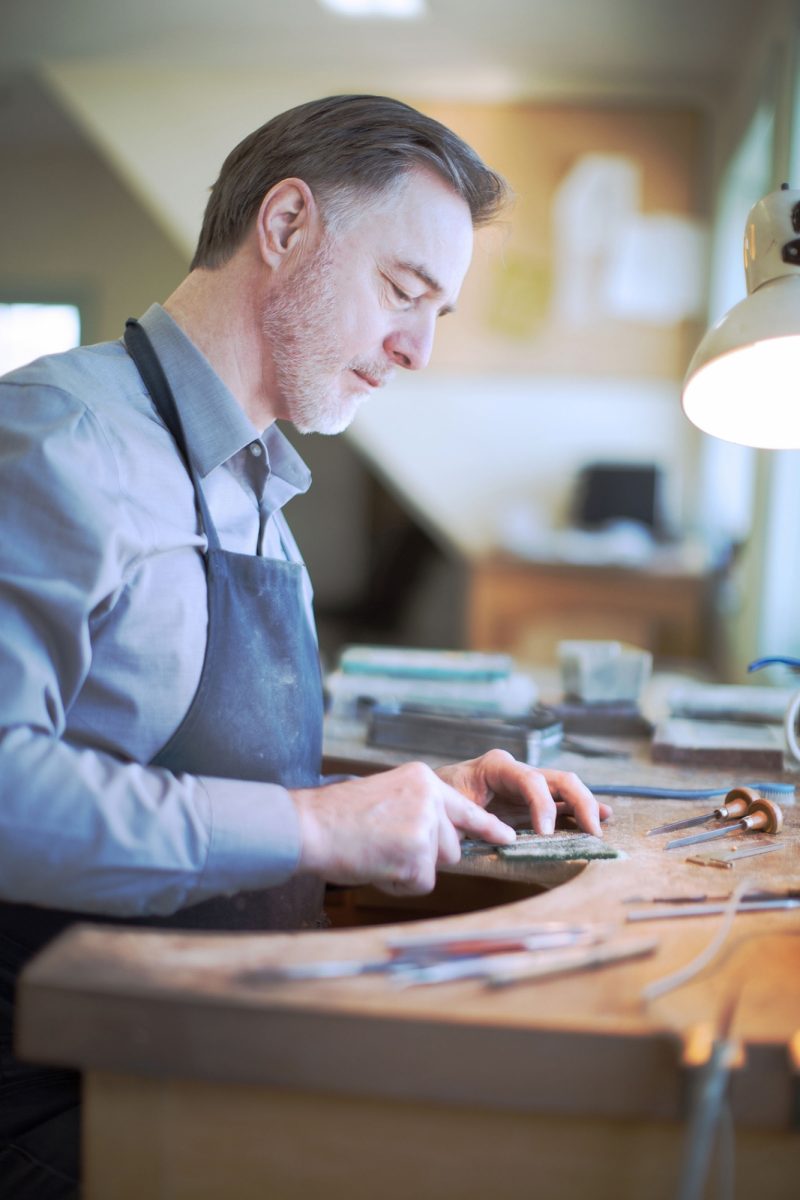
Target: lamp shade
x=743, y=383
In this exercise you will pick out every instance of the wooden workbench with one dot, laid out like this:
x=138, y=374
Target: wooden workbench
x=199, y=1085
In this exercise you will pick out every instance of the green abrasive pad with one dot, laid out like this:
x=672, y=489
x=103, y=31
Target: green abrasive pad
x=557, y=847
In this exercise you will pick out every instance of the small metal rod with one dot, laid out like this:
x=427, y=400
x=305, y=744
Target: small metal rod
x=674, y=911
x=701, y=860
x=748, y=852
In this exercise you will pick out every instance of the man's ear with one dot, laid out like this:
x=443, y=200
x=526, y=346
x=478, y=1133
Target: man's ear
x=287, y=219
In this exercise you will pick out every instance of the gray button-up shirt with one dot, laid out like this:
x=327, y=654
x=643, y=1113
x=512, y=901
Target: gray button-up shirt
x=103, y=628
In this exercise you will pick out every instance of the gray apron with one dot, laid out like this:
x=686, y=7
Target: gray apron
x=257, y=712
x=256, y=715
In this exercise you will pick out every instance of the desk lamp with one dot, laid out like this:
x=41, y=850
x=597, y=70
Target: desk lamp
x=742, y=384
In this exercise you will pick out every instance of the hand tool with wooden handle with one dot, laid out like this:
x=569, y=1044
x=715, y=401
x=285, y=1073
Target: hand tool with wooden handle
x=737, y=804
x=763, y=815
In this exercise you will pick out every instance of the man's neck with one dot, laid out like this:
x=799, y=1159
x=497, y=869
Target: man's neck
x=218, y=313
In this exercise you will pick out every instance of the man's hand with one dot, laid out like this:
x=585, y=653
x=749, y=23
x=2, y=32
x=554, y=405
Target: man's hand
x=545, y=793
x=393, y=829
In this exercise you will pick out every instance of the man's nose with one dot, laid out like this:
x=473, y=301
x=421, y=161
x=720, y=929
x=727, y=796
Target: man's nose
x=411, y=346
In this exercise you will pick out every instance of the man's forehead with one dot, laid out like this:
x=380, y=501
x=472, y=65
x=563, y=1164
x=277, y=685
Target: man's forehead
x=429, y=231
x=420, y=195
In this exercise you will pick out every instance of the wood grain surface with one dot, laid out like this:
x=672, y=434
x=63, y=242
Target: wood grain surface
x=146, y=1014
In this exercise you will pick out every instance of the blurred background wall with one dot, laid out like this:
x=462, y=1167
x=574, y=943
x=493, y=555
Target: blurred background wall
x=635, y=135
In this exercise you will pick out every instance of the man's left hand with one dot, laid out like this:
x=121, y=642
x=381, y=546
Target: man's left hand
x=546, y=793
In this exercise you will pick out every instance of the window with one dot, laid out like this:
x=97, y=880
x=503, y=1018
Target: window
x=28, y=331
x=728, y=471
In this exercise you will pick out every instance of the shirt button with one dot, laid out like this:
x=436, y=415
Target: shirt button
x=256, y=449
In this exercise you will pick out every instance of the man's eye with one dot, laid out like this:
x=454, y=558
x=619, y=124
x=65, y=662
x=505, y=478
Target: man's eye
x=399, y=293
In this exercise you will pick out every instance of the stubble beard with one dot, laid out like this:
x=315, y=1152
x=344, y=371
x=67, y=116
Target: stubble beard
x=299, y=323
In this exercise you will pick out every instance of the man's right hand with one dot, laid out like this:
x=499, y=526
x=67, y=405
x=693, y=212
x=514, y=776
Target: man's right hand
x=391, y=829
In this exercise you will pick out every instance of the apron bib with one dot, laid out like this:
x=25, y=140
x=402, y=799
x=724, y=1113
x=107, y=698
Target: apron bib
x=257, y=712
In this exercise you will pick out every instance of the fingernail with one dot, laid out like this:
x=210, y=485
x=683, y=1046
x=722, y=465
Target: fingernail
x=547, y=825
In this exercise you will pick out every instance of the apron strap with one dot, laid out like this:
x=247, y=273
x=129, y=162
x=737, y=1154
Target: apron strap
x=147, y=362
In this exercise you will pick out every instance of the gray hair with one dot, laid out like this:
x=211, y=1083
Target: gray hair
x=344, y=148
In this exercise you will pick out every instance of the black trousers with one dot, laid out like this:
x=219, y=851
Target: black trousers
x=39, y=1108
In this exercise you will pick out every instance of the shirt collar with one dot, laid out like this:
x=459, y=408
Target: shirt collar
x=214, y=422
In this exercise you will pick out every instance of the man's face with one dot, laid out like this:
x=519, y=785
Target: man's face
x=365, y=302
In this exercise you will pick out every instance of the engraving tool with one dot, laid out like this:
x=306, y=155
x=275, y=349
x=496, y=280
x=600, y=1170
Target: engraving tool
x=737, y=804
x=763, y=815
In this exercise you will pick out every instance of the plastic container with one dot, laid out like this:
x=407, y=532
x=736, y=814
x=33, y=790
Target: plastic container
x=598, y=672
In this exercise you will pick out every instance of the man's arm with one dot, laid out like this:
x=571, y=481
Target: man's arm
x=393, y=829
x=82, y=828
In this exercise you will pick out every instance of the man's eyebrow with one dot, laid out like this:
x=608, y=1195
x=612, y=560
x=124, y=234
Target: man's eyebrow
x=432, y=284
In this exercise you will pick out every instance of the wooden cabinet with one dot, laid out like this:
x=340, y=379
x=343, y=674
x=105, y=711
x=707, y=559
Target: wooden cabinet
x=526, y=607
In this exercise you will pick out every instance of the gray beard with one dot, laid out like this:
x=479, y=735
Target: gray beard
x=298, y=322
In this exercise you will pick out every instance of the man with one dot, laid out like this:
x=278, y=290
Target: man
x=160, y=710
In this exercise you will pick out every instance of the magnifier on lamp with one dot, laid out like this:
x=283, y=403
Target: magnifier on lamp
x=743, y=382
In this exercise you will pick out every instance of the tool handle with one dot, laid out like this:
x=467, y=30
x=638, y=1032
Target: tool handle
x=764, y=814
x=738, y=803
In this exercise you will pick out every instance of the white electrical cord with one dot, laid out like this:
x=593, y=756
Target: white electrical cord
x=790, y=727
x=669, y=982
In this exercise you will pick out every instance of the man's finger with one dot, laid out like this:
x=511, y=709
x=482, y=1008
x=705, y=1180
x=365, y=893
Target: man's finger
x=574, y=794
x=475, y=821
x=540, y=789
x=604, y=810
x=449, y=841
